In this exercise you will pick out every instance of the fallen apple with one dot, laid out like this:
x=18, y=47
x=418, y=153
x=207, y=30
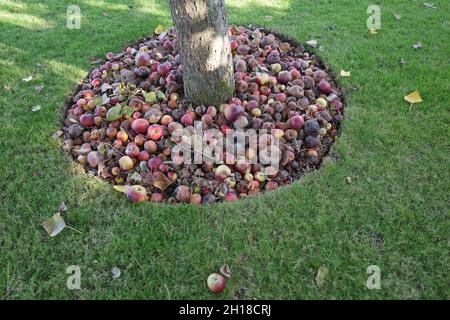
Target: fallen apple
x=126, y=163
x=140, y=125
x=137, y=193
x=216, y=282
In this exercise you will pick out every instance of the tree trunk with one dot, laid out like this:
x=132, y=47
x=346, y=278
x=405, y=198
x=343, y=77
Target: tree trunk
x=201, y=28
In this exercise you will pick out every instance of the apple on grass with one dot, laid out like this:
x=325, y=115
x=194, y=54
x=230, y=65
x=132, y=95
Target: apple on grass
x=216, y=282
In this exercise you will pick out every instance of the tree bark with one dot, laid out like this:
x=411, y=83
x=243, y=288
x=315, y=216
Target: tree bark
x=201, y=29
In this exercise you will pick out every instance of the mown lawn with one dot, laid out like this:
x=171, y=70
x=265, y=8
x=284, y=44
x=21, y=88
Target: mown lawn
x=394, y=214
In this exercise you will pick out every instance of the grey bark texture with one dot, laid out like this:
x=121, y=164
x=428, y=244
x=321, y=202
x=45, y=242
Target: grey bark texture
x=201, y=28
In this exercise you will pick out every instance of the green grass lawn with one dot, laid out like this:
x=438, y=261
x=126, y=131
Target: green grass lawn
x=394, y=214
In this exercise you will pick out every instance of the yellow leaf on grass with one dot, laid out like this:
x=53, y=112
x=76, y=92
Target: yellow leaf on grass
x=159, y=29
x=413, y=97
x=345, y=73
x=122, y=189
x=54, y=225
x=373, y=31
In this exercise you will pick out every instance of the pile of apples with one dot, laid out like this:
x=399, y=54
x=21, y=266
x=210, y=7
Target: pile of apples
x=119, y=122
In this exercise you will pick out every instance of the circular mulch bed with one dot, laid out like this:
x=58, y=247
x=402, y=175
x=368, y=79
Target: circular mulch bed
x=123, y=122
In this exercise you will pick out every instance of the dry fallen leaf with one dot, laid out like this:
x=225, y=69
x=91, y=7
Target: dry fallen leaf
x=63, y=207
x=322, y=273
x=225, y=271
x=35, y=108
x=162, y=182
x=54, y=225
x=345, y=73
x=57, y=134
x=39, y=88
x=413, y=97
x=95, y=60
x=417, y=45
x=429, y=5
x=116, y=272
x=312, y=43
x=28, y=79
x=122, y=189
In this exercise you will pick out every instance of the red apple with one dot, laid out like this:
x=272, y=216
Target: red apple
x=93, y=158
x=142, y=58
x=281, y=97
x=242, y=166
x=212, y=111
x=100, y=111
x=150, y=146
x=173, y=126
x=140, y=125
x=110, y=56
x=222, y=172
x=96, y=82
x=195, y=198
x=216, y=282
x=233, y=111
x=140, y=139
x=262, y=79
x=271, y=185
x=87, y=120
x=172, y=175
x=234, y=44
x=122, y=135
x=143, y=155
x=324, y=86
x=81, y=103
x=91, y=104
x=265, y=90
x=166, y=119
x=224, y=128
x=296, y=122
x=156, y=197
x=137, y=193
x=284, y=77
x=183, y=193
x=187, y=119
x=155, y=132
x=168, y=45
x=132, y=150
x=295, y=74
x=231, y=196
x=164, y=68
x=252, y=104
x=111, y=132
x=153, y=163
x=337, y=105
